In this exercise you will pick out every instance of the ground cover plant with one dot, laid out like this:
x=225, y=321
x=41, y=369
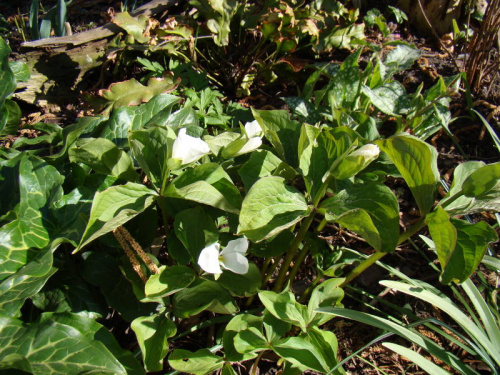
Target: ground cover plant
x=175, y=229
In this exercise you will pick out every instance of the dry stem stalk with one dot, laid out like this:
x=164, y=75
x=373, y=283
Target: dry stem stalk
x=130, y=254
x=480, y=63
x=138, y=249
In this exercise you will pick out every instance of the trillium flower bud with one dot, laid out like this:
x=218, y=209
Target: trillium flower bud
x=231, y=258
x=189, y=149
x=356, y=161
x=254, y=134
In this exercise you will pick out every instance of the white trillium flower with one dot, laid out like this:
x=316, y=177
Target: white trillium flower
x=254, y=134
x=231, y=258
x=189, y=149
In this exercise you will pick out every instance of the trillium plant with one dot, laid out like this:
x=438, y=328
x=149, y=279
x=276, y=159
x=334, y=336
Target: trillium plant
x=232, y=257
x=141, y=207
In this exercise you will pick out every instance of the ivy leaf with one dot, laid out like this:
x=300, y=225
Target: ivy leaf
x=114, y=207
x=200, y=362
x=39, y=184
x=417, y=163
x=54, y=348
x=152, y=333
x=269, y=208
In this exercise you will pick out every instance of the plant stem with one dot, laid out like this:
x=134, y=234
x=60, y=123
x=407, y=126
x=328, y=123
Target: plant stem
x=379, y=254
x=292, y=250
x=298, y=262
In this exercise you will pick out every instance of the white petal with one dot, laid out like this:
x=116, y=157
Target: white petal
x=252, y=144
x=253, y=129
x=367, y=151
x=209, y=259
x=189, y=149
x=236, y=246
x=235, y=262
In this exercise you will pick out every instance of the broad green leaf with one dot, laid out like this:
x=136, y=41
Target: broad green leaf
x=416, y=358
x=472, y=241
x=400, y=58
x=389, y=98
x=443, y=233
x=261, y=163
x=25, y=283
x=430, y=346
x=371, y=210
x=283, y=306
x=10, y=118
x=169, y=281
x=123, y=120
x=417, y=163
x=16, y=364
x=274, y=328
x=301, y=352
x=457, y=203
x=7, y=78
x=39, y=185
x=54, y=348
x=9, y=188
x=476, y=333
x=482, y=180
x=131, y=92
x=196, y=230
x=152, y=333
x=282, y=132
x=238, y=324
x=325, y=344
x=218, y=143
x=345, y=85
x=114, y=207
x=325, y=294
x=104, y=157
x=103, y=271
x=250, y=340
x=207, y=184
x=203, y=295
x=242, y=285
x=21, y=70
x=269, y=208
x=200, y=362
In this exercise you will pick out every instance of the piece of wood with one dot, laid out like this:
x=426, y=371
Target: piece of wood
x=61, y=67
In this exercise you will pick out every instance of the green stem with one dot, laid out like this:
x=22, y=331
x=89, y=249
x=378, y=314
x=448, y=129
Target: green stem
x=310, y=288
x=270, y=272
x=298, y=262
x=292, y=250
x=379, y=255
x=321, y=225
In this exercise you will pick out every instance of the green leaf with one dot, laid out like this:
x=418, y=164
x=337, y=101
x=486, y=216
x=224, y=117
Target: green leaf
x=443, y=233
x=283, y=306
x=269, y=208
x=390, y=98
x=208, y=184
x=39, y=184
x=55, y=348
x=251, y=340
x=114, y=207
x=7, y=78
x=10, y=118
x=196, y=230
x=261, y=163
x=400, y=58
x=482, y=180
x=457, y=203
x=282, y=132
x=371, y=210
x=301, y=352
x=417, y=163
x=239, y=324
x=345, y=85
x=325, y=294
x=416, y=358
x=25, y=283
x=472, y=241
x=152, y=333
x=242, y=285
x=153, y=113
x=21, y=70
x=200, y=362
x=104, y=157
x=325, y=344
x=131, y=92
x=134, y=26
x=203, y=295
x=169, y=281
